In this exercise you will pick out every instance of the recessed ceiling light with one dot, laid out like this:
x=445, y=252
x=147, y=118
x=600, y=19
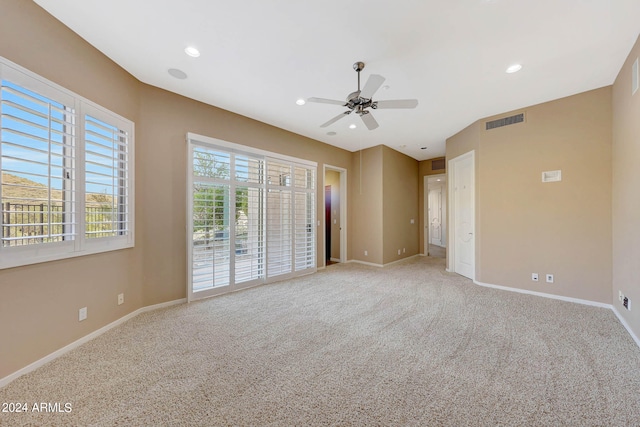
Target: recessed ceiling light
x=192, y=51
x=301, y=101
x=332, y=133
x=438, y=179
x=352, y=126
x=178, y=74
x=514, y=68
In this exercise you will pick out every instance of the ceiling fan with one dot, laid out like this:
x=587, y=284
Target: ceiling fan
x=361, y=100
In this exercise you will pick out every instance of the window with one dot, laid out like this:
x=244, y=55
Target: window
x=251, y=214
x=66, y=172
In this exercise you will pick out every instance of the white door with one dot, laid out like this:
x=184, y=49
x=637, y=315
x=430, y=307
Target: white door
x=435, y=216
x=462, y=185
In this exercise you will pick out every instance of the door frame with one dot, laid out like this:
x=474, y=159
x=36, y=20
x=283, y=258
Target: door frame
x=343, y=210
x=425, y=213
x=451, y=200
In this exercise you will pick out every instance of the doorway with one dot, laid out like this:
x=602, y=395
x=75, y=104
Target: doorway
x=335, y=222
x=462, y=250
x=435, y=214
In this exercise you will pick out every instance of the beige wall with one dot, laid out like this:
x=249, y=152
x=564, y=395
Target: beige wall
x=626, y=203
x=365, y=205
x=424, y=169
x=332, y=178
x=383, y=199
x=524, y=225
x=400, y=205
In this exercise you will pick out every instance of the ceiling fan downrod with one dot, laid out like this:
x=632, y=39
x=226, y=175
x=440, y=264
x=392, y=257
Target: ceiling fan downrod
x=358, y=66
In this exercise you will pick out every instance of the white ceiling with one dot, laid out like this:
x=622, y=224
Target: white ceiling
x=259, y=56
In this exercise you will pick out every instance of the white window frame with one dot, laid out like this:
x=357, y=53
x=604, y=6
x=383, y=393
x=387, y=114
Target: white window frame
x=213, y=143
x=15, y=256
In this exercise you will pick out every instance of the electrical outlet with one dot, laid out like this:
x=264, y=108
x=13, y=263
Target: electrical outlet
x=626, y=303
x=404, y=250
x=120, y=299
x=366, y=253
x=534, y=277
x=549, y=278
x=399, y=252
x=82, y=314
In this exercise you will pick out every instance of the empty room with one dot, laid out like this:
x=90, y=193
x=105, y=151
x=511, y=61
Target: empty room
x=330, y=213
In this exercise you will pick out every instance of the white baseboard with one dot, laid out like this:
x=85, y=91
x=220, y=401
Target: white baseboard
x=357, y=261
x=48, y=358
x=335, y=259
x=626, y=325
x=545, y=295
x=371, y=264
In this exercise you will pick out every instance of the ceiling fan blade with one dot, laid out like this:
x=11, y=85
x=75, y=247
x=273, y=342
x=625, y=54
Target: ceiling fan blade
x=371, y=86
x=327, y=101
x=396, y=103
x=335, y=119
x=369, y=121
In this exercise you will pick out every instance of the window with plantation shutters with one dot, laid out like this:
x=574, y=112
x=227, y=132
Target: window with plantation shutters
x=67, y=172
x=251, y=217
x=106, y=178
x=37, y=162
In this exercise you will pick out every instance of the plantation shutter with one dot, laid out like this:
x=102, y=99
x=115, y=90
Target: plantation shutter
x=106, y=179
x=304, y=218
x=211, y=263
x=249, y=223
x=37, y=162
x=279, y=219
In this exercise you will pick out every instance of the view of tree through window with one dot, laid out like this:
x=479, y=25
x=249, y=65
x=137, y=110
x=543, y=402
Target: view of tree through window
x=245, y=226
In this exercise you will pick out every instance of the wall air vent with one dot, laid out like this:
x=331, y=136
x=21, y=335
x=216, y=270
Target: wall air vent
x=437, y=164
x=505, y=121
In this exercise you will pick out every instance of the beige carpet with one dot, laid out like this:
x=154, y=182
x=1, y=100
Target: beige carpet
x=351, y=345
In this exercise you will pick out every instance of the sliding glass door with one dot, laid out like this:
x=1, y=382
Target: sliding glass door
x=251, y=218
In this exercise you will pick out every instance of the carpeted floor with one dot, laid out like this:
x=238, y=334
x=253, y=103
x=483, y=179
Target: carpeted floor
x=437, y=251
x=352, y=345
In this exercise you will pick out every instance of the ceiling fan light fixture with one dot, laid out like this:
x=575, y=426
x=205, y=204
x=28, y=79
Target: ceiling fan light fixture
x=352, y=126
x=192, y=51
x=514, y=68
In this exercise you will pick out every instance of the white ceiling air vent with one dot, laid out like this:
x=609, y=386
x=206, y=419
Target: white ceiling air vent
x=552, y=176
x=505, y=121
x=635, y=77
